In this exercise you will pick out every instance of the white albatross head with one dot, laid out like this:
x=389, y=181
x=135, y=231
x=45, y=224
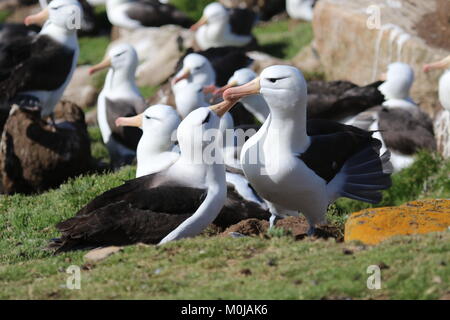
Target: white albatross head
x=214, y=13
x=201, y=128
x=120, y=57
x=196, y=68
x=66, y=14
x=188, y=98
x=399, y=80
x=283, y=87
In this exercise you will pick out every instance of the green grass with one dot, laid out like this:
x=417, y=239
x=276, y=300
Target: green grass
x=4, y=15
x=194, y=9
x=245, y=268
x=98, y=148
x=148, y=92
x=92, y=49
x=280, y=268
x=26, y=222
x=283, y=39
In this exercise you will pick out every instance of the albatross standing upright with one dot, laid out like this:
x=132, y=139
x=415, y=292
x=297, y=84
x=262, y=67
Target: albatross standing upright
x=299, y=165
x=120, y=97
x=35, y=71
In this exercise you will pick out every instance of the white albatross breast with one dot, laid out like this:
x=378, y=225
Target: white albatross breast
x=120, y=97
x=299, y=165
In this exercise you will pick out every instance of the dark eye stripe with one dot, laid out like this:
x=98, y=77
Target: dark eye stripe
x=273, y=80
x=119, y=54
x=207, y=118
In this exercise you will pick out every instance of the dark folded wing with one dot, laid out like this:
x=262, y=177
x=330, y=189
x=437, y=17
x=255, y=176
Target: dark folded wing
x=41, y=64
x=242, y=21
x=151, y=13
x=337, y=100
x=406, y=131
x=237, y=209
x=129, y=214
x=128, y=136
x=225, y=61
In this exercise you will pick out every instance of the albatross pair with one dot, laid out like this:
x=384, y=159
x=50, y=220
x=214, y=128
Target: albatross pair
x=302, y=167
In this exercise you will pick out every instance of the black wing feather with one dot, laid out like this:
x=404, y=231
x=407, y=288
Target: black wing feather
x=42, y=64
x=332, y=144
x=128, y=136
x=242, y=21
x=406, y=131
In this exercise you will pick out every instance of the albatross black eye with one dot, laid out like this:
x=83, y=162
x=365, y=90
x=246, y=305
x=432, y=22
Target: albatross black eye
x=207, y=118
x=273, y=80
x=147, y=117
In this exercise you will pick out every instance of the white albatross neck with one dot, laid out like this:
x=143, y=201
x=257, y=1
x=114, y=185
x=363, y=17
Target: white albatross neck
x=209, y=209
x=287, y=131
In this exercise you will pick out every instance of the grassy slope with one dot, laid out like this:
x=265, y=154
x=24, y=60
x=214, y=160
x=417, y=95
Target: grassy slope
x=283, y=39
x=217, y=268
x=251, y=268
x=197, y=268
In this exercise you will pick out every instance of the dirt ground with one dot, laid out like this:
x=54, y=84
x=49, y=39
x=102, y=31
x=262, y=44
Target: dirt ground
x=296, y=226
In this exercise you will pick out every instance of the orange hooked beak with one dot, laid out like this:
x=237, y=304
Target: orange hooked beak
x=184, y=75
x=223, y=107
x=203, y=20
x=248, y=89
x=106, y=63
x=38, y=18
x=135, y=121
x=442, y=64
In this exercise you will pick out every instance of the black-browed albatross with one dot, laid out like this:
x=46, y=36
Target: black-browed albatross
x=175, y=203
x=155, y=149
x=399, y=123
x=300, y=165
x=35, y=71
x=120, y=97
x=221, y=27
x=132, y=14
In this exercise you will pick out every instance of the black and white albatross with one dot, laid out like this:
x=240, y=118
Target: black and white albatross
x=132, y=14
x=120, y=97
x=300, y=165
x=175, y=203
x=38, y=69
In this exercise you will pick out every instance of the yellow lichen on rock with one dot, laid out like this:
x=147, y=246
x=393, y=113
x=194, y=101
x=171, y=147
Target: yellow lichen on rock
x=372, y=226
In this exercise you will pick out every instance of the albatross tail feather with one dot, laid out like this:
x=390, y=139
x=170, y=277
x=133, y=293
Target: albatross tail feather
x=364, y=175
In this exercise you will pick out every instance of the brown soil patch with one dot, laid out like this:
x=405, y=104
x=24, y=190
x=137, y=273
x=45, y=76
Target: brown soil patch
x=434, y=27
x=296, y=226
